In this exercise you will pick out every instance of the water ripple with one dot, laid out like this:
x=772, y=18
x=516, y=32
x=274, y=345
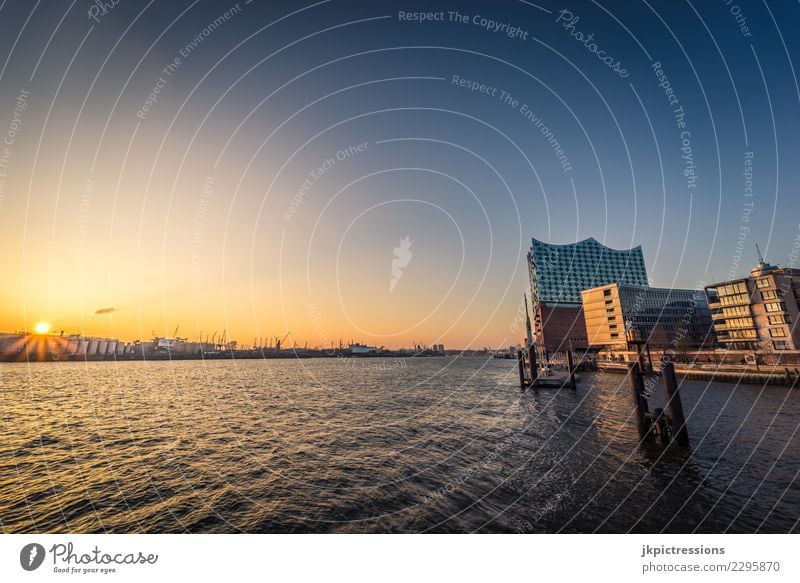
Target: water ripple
x=442, y=445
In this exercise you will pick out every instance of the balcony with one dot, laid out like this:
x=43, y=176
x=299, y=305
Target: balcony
x=726, y=339
x=725, y=326
x=733, y=301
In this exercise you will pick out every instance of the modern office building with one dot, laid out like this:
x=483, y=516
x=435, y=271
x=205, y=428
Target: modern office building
x=662, y=319
x=759, y=312
x=559, y=273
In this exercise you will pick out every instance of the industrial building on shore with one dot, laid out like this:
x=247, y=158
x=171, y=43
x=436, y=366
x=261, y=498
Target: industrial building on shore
x=25, y=346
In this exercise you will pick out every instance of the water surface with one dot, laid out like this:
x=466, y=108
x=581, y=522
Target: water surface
x=379, y=445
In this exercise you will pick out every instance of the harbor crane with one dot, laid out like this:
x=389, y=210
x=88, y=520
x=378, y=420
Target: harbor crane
x=278, y=342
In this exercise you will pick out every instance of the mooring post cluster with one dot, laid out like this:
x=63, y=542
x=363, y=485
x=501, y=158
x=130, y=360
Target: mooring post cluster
x=530, y=376
x=666, y=426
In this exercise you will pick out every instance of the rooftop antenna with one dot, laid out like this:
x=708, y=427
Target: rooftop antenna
x=760, y=257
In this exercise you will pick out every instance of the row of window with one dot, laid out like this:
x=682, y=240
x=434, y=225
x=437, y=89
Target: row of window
x=734, y=299
x=740, y=323
x=762, y=283
x=777, y=345
x=740, y=334
x=769, y=294
x=732, y=288
x=736, y=311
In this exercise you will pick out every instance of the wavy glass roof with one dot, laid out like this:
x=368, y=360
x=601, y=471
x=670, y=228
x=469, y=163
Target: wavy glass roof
x=560, y=272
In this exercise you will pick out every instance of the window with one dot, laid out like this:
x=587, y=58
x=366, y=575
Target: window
x=769, y=294
x=612, y=327
x=615, y=334
x=779, y=319
x=762, y=283
x=612, y=318
x=736, y=311
x=734, y=300
x=607, y=292
x=779, y=345
x=732, y=288
x=775, y=307
x=777, y=332
x=741, y=334
x=739, y=323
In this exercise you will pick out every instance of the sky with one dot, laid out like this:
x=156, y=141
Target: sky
x=356, y=171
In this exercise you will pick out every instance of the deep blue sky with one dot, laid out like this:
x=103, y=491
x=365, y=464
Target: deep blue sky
x=475, y=178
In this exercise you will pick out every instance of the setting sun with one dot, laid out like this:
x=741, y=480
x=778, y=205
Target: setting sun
x=42, y=328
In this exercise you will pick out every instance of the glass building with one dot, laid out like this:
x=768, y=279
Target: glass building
x=667, y=319
x=558, y=275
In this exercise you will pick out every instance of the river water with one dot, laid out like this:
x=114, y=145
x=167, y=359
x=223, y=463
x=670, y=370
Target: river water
x=380, y=445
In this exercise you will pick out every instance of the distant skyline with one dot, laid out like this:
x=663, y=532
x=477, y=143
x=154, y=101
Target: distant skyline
x=376, y=172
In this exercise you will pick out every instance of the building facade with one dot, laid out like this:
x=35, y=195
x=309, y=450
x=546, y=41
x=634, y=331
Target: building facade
x=559, y=273
x=759, y=312
x=660, y=318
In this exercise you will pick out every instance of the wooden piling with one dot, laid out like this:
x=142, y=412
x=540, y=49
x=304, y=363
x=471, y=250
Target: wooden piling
x=639, y=403
x=521, y=363
x=571, y=370
x=660, y=425
x=532, y=365
x=674, y=406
